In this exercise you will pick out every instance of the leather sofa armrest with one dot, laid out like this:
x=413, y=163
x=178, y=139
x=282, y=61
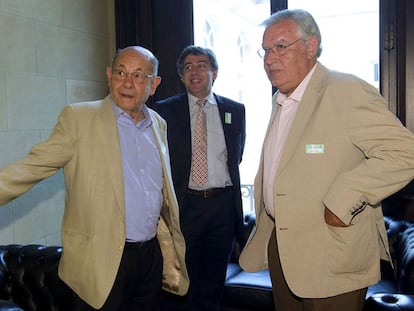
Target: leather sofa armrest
x=401, y=243
x=385, y=301
x=31, y=277
x=249, y=220
x=9, y=306
x=405, y=261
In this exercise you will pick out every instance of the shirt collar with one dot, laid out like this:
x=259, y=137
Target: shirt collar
x=192, y=100
x=142, y=124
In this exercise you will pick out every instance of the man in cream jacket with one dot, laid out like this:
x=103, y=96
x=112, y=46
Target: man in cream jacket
x=120, y=232
x=332, y=152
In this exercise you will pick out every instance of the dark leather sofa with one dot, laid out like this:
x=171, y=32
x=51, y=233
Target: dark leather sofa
x=29, y=280
x=246, y=291
x=252, y=291
x=395, y=291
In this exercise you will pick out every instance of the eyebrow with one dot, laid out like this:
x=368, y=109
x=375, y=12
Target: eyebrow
x=123, y=67
x=280, y=41
x=199, y=61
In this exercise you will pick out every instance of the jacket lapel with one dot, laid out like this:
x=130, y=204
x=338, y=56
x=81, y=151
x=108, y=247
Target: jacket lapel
x=165, y=162
x=107, y=130
x=311, y=98
x=160, y=143
x=184, y=113
x=224, y=108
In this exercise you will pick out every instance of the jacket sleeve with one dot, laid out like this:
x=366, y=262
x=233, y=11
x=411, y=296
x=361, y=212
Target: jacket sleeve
x=44, y=160
x=388, y=148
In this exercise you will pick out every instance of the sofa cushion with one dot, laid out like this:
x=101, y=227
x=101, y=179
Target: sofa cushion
x=9, y=306
x=389, y=302
x=247, y=290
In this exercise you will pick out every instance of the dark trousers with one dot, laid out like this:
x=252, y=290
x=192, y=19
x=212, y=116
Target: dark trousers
x=138, y=282
x=285, y=300
x=208, y=226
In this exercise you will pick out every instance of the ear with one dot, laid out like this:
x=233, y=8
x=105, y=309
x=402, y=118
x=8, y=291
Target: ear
x=154, y=84
x=109, y=75
x=215, y=72
x=312, y=47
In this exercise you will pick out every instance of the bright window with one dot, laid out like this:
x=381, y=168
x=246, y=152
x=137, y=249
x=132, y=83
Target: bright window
x=350, y=35
x=231, y=29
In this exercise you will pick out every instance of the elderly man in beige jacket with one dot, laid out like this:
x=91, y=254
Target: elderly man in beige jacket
x=120, y=203
x=332, y=152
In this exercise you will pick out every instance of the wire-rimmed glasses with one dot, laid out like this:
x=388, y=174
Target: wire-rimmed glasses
x=137, y=76
x=278, y=49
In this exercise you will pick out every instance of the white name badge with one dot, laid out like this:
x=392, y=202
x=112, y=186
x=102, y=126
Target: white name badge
x=314, y=148
x=227, y=117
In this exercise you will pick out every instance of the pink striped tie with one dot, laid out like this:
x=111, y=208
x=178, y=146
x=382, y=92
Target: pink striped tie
x=199, y=168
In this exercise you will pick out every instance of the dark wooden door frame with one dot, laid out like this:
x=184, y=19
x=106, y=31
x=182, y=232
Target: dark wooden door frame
x=164, y=27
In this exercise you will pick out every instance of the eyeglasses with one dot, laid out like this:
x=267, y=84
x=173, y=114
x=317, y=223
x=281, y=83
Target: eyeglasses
x=278, y=49
x=137, y=76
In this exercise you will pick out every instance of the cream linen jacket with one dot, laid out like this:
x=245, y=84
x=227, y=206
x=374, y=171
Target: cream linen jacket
x=346, y=152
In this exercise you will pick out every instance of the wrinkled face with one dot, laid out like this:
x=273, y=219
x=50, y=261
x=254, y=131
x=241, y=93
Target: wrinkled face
x=128, y=92
x=287, y=71
x=198, y=76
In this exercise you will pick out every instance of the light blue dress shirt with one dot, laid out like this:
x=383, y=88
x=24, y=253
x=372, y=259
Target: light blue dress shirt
x=143, y=177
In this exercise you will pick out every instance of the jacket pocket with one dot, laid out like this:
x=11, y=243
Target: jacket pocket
x=351, y=249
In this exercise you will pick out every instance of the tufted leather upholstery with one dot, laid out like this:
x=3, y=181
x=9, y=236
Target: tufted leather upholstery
x=384, y=302
x=28, y=277
x=405, y=262
x=246, y=291
x=401, y=242
x=396, y=290
x=9, y=306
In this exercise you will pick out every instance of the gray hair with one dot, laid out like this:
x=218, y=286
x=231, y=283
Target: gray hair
x=304, y=21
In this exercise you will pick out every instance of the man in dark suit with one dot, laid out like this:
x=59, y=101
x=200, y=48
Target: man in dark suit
x=211, y=209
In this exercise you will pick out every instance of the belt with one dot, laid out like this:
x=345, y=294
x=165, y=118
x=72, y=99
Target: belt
x=207, y=193
x=137, y=245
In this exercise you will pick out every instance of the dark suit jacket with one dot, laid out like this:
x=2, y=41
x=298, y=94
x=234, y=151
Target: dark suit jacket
x=175, y=111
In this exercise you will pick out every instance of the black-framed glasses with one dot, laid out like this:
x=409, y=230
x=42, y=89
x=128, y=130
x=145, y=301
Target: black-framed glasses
x=278, y=49
x=137, y=76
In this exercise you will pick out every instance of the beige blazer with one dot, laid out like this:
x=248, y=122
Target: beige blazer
x=85, y=143
x=364, y=154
